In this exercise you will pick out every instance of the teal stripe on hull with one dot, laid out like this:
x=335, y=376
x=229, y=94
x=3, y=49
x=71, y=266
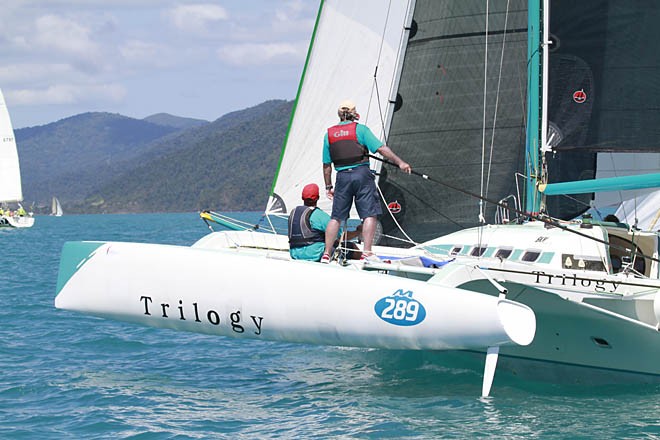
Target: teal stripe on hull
x=74, y=255
x=601, y=185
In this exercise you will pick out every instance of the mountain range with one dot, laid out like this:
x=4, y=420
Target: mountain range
x=109, y=163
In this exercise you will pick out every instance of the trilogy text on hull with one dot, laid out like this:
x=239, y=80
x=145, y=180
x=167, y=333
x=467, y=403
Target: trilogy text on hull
x=211, y=316
x=575, y=281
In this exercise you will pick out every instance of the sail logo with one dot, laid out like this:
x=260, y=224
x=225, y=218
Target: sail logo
x=394, y=207
x=579, y=96
x=400, y=309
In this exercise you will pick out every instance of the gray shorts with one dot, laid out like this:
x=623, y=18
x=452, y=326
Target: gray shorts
x=357, y=184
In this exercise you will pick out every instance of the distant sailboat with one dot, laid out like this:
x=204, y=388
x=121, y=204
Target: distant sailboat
x=56, y=208
x=10, y=176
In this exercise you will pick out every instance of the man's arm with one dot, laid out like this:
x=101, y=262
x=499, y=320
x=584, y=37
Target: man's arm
x=327, y=177
x=389, y=154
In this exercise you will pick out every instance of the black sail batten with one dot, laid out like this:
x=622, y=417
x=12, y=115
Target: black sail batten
x=438, y=128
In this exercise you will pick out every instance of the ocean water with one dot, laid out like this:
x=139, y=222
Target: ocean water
x=70, y=376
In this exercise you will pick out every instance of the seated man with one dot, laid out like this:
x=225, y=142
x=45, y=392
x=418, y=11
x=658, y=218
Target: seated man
x=307, y=224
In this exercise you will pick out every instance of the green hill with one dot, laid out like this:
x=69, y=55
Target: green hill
x=178, y=122
x=110, y=163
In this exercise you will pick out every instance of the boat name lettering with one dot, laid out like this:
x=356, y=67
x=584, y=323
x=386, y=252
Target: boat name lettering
x=212, y=317
x=400, y=308
x=575, y=281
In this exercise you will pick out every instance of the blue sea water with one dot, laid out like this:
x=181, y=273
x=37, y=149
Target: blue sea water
x=70, y=376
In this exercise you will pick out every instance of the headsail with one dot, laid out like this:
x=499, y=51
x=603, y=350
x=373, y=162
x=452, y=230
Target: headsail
x=10, y=176
x=353, y=55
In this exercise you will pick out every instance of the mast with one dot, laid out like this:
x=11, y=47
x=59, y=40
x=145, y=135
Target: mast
x=534, y=105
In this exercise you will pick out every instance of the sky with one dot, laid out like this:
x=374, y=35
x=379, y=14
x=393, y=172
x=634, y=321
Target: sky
x=197, y=59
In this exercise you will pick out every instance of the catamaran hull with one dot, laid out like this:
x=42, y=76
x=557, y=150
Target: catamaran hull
x=577, y=344
x=232, y=294
x=583, y=345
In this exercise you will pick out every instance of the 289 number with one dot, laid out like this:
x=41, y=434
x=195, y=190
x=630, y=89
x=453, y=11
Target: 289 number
x=400, y=310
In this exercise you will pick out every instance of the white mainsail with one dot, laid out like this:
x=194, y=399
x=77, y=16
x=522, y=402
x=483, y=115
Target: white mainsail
x=328, y=79
x=10, y=176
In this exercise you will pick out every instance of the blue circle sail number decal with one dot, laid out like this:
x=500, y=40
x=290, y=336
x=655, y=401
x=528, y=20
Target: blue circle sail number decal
x=400, y=309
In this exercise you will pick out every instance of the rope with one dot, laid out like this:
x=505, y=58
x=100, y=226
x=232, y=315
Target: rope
x=544, y=219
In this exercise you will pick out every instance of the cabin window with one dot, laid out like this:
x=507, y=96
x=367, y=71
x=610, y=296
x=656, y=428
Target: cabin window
x=621, y=255
x=579, y=262
x=455, y=250
x=478, y=251
x=503, y=253
x=531, y=256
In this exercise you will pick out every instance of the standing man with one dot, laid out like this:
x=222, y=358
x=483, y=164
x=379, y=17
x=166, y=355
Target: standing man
x=346, y=146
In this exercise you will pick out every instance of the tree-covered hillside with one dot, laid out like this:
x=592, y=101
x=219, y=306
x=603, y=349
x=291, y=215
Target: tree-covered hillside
x=228, y=167
x=101, y=162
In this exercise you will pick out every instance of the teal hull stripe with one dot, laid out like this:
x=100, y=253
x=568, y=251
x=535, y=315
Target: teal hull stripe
x=74, y=255
x=516, y=255
x=607, y=184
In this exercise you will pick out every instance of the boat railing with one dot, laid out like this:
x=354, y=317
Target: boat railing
x=502, y=213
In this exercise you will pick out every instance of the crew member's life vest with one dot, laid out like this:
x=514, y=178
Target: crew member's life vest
x=300, y=229
x=344, y=147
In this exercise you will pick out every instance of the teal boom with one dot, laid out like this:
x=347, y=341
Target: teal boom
x=600, y=185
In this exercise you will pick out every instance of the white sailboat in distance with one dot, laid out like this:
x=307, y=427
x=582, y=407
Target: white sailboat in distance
x=12, y=213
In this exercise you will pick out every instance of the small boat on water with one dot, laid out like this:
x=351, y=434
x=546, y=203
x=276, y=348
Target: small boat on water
x=468, y=261
x=12, y=213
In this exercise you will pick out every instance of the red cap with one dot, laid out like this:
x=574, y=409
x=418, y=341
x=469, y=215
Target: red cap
x=310, y=192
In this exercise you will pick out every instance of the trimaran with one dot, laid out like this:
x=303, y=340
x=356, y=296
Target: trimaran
x=478, y=96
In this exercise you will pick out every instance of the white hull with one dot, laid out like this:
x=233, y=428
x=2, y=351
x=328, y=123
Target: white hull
x=16, y=221
x=250, y=296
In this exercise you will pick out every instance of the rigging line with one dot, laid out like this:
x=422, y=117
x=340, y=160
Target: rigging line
x=497, y=97
x=423, y=202
x=382, y=197
x=544, y=219
x=380, y=51
x=482, y=219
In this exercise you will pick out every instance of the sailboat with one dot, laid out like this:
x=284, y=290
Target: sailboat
x=56, y=208
x=12, y=213
x=468, y=261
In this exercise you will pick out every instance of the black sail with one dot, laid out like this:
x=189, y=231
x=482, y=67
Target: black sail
x=438, y=127
x=604, y=92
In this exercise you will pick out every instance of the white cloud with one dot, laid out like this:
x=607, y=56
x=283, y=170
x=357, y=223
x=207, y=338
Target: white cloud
x=68, y=94
x=197, y=18
x=258, y=54
x=20, y=73
x=64, y=35
x=292, y=17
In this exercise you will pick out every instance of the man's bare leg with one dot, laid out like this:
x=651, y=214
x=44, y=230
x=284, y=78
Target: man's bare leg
x=331, y=232
x=368, y=232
